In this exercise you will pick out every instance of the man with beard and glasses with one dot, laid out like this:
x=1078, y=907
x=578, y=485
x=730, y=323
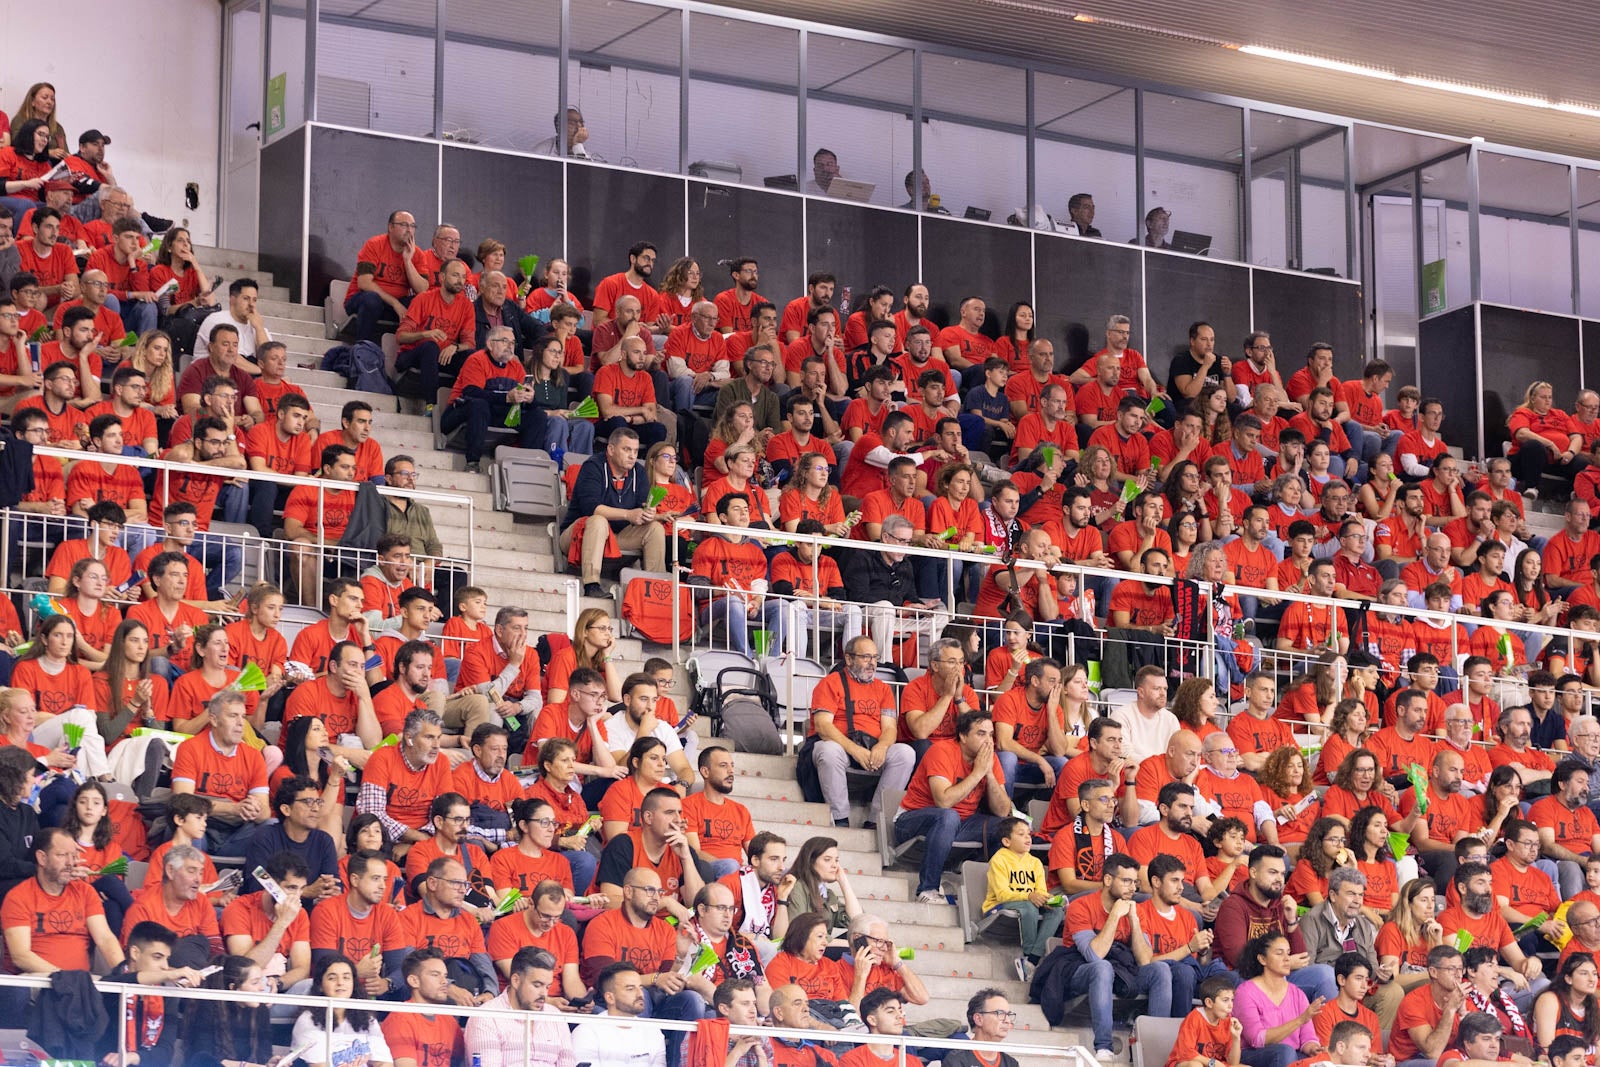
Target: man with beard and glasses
x=635, y=282
x=1568, y=831
x=735, y=304
x=761, y=893
x=736, y=954
x=1478, y=916
x=499, y=1040
x=719, y=828
x=1429, y=1014
x=1261, y=907
x=851, y=709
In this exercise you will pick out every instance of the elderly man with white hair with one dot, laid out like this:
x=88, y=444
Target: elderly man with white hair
x=871, y=935
x=697, y=360
x=886, y=583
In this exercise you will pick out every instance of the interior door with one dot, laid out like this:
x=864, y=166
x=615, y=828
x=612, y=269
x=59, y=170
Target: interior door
x=241, y=118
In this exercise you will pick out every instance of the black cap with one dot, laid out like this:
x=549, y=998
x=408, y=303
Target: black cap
x=93, y=135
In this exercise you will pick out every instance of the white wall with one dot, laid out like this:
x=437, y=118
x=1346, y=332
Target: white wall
x=151, y=82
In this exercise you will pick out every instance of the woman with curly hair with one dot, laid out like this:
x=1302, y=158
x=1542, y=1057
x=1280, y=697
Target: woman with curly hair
x=1095, y=466
x=1347, y=730
x=1356, y=785
x=1369, y=840
x=1409, y=932
x=1286, y=787
x=1324, y=849
x=680, y=292
x=735, y=426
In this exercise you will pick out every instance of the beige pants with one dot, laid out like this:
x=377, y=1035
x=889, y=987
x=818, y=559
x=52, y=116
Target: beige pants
x=650, y=539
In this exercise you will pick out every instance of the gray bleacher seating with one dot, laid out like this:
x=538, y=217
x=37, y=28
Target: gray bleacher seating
x=526, y=481
x=969, y=902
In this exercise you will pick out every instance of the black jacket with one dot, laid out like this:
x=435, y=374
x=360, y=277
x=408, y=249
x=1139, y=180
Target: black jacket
x=18, y=827
x=595, y=487
x=870, y=578
x=524, y=326
x=69, y=1017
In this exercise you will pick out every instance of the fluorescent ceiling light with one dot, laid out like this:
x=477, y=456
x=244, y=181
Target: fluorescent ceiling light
x=1440, y=84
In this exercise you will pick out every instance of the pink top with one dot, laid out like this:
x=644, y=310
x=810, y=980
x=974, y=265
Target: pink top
x=1257, y=1014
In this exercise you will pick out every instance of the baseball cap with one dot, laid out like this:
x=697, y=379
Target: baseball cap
x=93, y=135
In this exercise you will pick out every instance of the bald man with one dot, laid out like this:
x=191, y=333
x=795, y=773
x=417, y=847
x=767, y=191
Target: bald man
x=1179, y=763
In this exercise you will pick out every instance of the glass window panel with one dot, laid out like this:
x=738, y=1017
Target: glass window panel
x=1394, y=277
x=1084, y=143
x=1324, y=208
x=1589, y=241
x=1193, y=151
x=624, y=77
x=375, y=65
x=515, y=107
x=858, y=108
x=742, y=100
x=287, y=54
x=1269, y=213
x=1524, y=233
x=1278, y=189
x=974, y=138
x=1445, y=232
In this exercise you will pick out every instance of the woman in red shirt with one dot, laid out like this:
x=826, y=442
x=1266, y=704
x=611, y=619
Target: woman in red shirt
x=647, y=770
x=18, y=717
x=1369, y=839
x=1094, y=470
x=25, y=163
x=736, y=426
x=85, y=602
x=741, y=479
x=592, y=640
x=1195, y=707
x=1347, y=730
x=126, y=692
x=366, y=834
x=153, y=356
x=50, y=669
x=1411, y=930
x=954, y=509
x=809, y=496
x=1017, y=337
x=176, y=261
x=1287, y=790
x=1185, y=533
x=533, y=859
x=1542, y=441
x=562, y=788
x=680, y=291
x=802, y=962
x=1005, y=663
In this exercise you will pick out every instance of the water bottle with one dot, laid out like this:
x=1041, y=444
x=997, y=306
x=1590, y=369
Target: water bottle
x=477, y=1060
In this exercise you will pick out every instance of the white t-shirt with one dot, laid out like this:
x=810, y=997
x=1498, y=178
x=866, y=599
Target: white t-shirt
x=620, y=734
x=247, y=334
x=1142, y=736
x=350, y=1047
x=634, y=1045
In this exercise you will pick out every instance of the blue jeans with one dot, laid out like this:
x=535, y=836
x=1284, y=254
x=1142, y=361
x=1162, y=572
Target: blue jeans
x=1018, y=772
x=1276, y=1054
x=684, y=1006
x=650, y=433
x=478, y=413
x=583, y=866
x=943, y=827
x=1187, y=974
x=368, y=309
x=568, y=435
x=1038, y=925
x=734, y=616
x=1228, y=670
x=222, y=557
x=139, y=316
x=1094, y=978
x=1314, y=981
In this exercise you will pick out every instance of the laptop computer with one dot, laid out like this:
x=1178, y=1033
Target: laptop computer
x=981, y=214
x=781, y=181
x=1196, y=244
x=847, y=189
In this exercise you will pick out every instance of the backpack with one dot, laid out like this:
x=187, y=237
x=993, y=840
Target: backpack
x=647, y=607
x=362, y=366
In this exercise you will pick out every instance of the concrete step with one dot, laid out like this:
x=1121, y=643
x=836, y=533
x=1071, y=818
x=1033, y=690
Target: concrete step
x=751, y=787
x=961, y=962
x=949, y=987
x=788, y=811
x=297, y=313
x=236, y=258
x=1030, y=1017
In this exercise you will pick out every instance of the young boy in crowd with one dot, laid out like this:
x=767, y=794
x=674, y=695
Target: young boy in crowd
x=1018, y=885
x=472, y=607
x=1209, y=1035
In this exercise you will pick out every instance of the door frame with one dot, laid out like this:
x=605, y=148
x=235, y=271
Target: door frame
x=227, y=189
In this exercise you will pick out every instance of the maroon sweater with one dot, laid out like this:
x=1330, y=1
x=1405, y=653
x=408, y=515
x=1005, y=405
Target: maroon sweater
x=1240, y=918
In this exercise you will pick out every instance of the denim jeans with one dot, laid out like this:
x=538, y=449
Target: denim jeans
x=943, y=827
x=569, y=435
x=367, y=309
x=1314, y=981
x=139, y=316
x=1095, y=979
x=223, y=559
x=1187, y=974
x=583, y=866
x=1279, y=1054
x=1038, y=926
x=1013, y=767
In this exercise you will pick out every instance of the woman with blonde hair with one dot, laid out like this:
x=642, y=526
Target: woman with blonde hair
x=39, y=103
x=735, y=426
x=592, y=642
x=153, y=357
x=1095, y=465
x=809, y=496
x=1542, y=441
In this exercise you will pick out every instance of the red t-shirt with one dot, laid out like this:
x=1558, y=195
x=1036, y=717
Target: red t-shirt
x=944, y=759
x=216, y=774
x=60, y=932
x=388, y=269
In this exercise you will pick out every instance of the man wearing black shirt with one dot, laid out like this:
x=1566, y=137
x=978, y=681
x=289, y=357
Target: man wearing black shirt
x=1081, y=209
x=1198, y=367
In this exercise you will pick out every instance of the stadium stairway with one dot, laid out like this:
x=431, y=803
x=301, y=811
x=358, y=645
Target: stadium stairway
x=515, y=563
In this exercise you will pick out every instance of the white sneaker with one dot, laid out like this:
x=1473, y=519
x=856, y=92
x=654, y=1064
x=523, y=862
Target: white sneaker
x=931, y=896
x=1021, y=964
x=1105, y=1055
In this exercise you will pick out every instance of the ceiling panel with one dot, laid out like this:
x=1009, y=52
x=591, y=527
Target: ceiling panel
x=1087, y=110
x=1526, y=185
x=987, y=92
x=735, y=48
x=1545, y=50
x=626, y=31
x=1193, y=129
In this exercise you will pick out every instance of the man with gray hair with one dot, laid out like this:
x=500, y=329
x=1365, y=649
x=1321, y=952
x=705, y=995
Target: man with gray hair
x=885, y=582
x=870, y=934
x=216, y=764
x=855, y=722
x=1134, y=376
x=697, y=360
x=489, y=382
x=399, y=782
x=178, y=905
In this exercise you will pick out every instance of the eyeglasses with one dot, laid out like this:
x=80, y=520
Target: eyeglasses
x=456, y=820
x=1008, y=1016
x=726, y=909
x=647, y=890
x=546, y=822
x=455, y=883
x=311, y=801
x=404, y=474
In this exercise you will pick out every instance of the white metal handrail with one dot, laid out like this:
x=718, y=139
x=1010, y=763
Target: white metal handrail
x=901, y=1043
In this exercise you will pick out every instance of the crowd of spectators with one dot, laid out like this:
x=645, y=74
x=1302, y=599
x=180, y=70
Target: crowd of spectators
x=1296, y=839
